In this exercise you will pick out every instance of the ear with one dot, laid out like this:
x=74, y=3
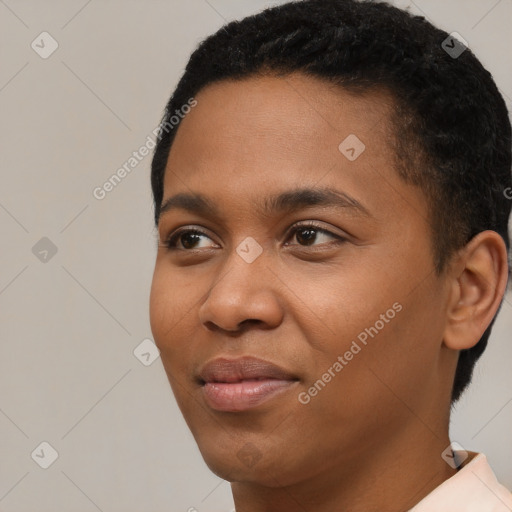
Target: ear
x=478, y=280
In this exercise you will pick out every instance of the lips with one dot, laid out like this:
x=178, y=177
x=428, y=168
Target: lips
x=245, y=368
x=239, y=384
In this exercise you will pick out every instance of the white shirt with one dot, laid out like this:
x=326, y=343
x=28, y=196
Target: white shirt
x=474, y=488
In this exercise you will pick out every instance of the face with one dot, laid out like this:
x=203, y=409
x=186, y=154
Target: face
x=336, y=288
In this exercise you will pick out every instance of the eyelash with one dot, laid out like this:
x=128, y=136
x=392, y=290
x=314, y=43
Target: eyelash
x=170, y=243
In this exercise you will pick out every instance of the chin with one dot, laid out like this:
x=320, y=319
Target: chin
x=248, y=465
x=242, y=465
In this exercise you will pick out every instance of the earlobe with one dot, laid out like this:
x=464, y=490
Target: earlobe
x=479, y=280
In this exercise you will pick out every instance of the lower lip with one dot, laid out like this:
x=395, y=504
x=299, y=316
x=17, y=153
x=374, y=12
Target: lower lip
x=241, y=396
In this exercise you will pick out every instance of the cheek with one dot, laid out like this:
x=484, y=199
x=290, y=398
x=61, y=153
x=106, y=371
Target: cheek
x=167, y=314
x=375, y=382
x=160, y=308
x=167, y=304
x=401, y=360
x=340, y=304
x=170, y=326
x=387, y=336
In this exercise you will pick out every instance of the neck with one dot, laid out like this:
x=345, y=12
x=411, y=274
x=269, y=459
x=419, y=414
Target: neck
x=395, y=478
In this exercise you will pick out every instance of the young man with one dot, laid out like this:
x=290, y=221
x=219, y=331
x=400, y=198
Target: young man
x=330, y=195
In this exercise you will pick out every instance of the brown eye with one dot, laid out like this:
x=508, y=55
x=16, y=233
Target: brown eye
x=307, y=234
x=189, y=238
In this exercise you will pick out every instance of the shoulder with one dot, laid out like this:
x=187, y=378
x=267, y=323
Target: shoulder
x=474, y=488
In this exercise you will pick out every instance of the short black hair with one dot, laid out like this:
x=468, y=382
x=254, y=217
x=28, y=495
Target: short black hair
x=452, y=133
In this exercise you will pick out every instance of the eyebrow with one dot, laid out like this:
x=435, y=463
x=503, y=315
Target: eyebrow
x=288, y=201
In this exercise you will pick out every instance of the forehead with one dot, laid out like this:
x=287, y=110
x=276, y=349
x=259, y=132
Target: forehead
x=248, y=136
x=296, y=112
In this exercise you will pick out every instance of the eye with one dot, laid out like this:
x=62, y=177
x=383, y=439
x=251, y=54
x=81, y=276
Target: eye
x=189, y=237
x=307, y=234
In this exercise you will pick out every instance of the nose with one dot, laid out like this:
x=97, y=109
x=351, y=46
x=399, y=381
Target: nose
x=245, y=294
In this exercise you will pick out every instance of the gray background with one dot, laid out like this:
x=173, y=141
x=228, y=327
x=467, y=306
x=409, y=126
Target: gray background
x=69, y=325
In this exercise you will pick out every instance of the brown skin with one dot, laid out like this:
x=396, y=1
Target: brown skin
x=372, y=438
